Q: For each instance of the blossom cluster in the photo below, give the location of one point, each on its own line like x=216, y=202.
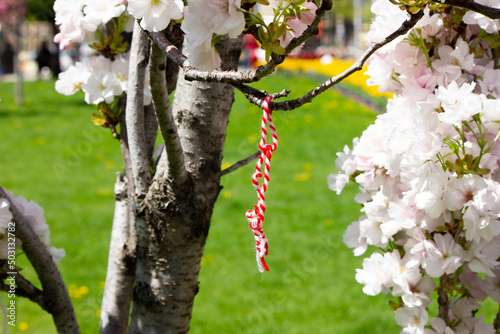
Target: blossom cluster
x=101, y=79
x=203, y=22
x=34, y=214
x=428, y=170
x=77, y=18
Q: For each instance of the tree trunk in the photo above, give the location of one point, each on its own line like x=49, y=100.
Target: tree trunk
x=120, y=276
x=172, y=235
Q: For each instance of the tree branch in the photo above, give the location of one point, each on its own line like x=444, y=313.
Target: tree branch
x=357, y=66
x=235, y=77
x=240, y=164
x=150, y=131
x=134, y=113
x=55, y=295
x=168, y=127
x=24, y=288
x=492, y=13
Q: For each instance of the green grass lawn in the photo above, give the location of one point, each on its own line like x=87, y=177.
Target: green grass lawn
x=56, y=157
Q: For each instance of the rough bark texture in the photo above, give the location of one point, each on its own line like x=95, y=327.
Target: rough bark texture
x=172, y=238
x=120, y=276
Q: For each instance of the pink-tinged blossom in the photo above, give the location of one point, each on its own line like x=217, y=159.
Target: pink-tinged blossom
x=481, y=216
x=419, y=83
x=410, y=285
x=462, y=190
x=376, y=273
x=430, y=25
x=353, y=239
x=491, y=26
x=445, y=258
x=34, y=214
x=217, y=16
x=346, y=166
x=459, y=103
x=381, y=74
x=447, y=219
x=483, y=257
x=493, y=285
x=155, y=15
x=452, y=61
x=388, y=18
x=299, y=24
x=200, y=52
x=73, y=25
x=418, y=245
x=413, y=320
x=464, y=310
x=438, y=327
x=475, y=285
x=57, y=254
x=427, y=189
x=202, y=19
x=490, y=82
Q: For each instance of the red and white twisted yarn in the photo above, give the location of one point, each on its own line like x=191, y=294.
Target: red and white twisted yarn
x=256, y=216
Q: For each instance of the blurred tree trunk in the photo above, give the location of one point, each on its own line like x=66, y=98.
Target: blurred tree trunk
x=18, y=85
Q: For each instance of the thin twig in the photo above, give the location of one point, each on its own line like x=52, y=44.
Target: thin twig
x=25, y=289
x=168, y=127
x=492, y=13
x=240, y=164
x=357, y=66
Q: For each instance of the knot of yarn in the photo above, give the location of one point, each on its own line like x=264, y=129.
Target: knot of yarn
x=255, y=217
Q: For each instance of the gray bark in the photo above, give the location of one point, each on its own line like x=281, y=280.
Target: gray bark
x=177, y=217
x=134, y=114
x=120, y=276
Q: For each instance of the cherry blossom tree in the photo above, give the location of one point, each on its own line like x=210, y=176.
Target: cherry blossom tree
x=428, y=186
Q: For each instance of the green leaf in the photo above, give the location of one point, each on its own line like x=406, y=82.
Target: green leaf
x=414, y=10
x=483, y=171
x=452, y=166
x=280, y=29
x=278, y=49
x=263, y=36
x=495, y=45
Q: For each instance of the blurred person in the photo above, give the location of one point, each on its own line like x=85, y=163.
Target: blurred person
x=44, y=60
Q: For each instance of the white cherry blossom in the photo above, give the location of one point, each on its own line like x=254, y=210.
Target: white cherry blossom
x=155, y=15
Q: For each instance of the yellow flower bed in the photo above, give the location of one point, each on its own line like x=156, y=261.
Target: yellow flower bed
x=336, y=67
